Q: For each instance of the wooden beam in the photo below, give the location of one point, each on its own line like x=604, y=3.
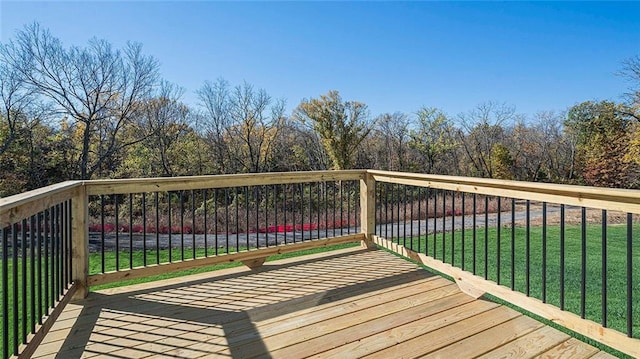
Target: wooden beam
x=368, y=209
x=614, y=199
x=466, y=280
x=254, y=263
x=80, y=241
x=18, y=207
x=225, y=258
x=140, y=185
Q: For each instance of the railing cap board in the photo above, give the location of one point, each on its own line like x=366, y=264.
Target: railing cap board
x=17, y=207
x=139, y=185
x=626, y=200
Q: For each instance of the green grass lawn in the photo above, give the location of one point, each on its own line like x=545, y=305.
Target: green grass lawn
x=616, y=265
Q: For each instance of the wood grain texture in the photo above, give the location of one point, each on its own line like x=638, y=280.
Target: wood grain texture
x=341, y=304
x=593, y=330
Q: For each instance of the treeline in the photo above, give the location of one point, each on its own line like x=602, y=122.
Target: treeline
x=99, y=112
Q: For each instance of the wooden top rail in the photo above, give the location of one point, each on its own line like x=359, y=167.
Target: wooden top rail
x=16, y=208
x=140, y=185
x=614, y=199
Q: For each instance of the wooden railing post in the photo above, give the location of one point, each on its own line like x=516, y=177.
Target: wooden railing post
x=368, y=209
x=80, y=241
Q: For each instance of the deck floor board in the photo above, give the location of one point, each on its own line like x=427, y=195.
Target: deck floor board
x=344, y=304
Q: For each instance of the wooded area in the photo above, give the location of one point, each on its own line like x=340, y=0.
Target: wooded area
x=95, y=111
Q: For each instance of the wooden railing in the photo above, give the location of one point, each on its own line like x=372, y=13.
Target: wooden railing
x=566, y=253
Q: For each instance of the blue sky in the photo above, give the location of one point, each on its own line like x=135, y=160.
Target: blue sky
x=393, y=56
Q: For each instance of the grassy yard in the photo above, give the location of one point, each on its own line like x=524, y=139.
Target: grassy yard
x=616, y=265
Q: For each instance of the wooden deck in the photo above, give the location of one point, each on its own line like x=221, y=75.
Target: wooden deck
x=341, y=304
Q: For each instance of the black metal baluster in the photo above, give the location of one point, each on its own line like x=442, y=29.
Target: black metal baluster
x=302, y=212
x=257, y=206
x=435, y=223
x=205, y=225
x=318, y=207
x=236, y=191
x=513, y=243
x=40, y=281
x=157, y=203
x=245, y=190
x=311, y=210
x=544, y=252
x=604, y=268
x=266, y=215
x=70, y=241
x=275, y=212
x=47, y=218
x=293, y=214
x=170, y=229
x=411, y=219
x=23, y=244
x=475, y=209
x=386, y=211
x=5, y=292
x=393, y=207
x=14, y=261
x=54, y=256
x=334, y=207
x=215, y=220
x=453, y=227
x=486, y=237
x=32, y=237
x=498, y=239
x=182, y=225
x=193, y=224
x=117, y=220
x=284, y=210
x=463, y=244
x=583, y=263
x=419, y=218
x=630, y=275
x=397, y=202
x=444, y=227
x=426, y=222
x=375, y=201
x=66, y=234
x=226, y=220
x=341, y=207
x=130, y=231
x=102, y=269
x=562, y=240
x=326, y=208
x=528, y=247
x=144, y=229
x=404, y=216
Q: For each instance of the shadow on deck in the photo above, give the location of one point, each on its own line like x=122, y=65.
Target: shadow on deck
x=348, y=303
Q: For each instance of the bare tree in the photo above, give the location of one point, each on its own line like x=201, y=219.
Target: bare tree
x=481, y=130
x=215, y=102
x=390, y=137
x=21, y=108
x=242, y=125
x=165, y=119
x=631, y=71
x=96, y=86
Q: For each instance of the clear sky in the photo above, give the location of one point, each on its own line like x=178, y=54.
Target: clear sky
x=393, y=56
